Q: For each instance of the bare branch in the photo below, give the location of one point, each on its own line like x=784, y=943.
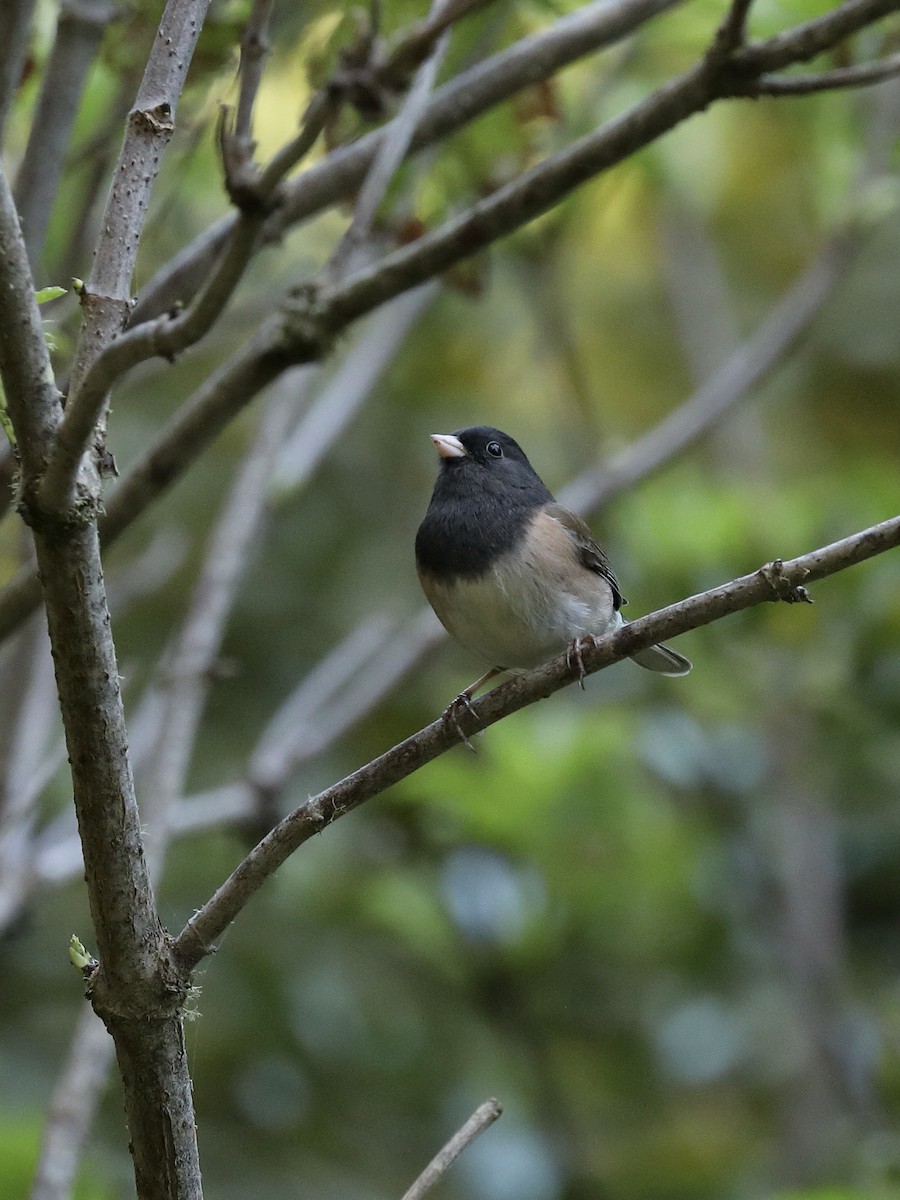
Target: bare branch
x=254, y=48
x=733, y=30
x=7, y=474
x=186, y=668
x=806, y=41
x=391, y=152
x=743, y=370
x=164, y=337
x=31, y=396
x=69, y=1118
x=318, y=112
x=17, y=15
x=350, y=386
x=418, y=43
x=481, y=1119
x=861, y=75
x=79, y=31
x=777, y=580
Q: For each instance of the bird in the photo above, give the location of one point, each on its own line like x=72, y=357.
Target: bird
x=514, y=576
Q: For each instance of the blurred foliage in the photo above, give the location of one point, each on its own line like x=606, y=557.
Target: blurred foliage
x=660, y=920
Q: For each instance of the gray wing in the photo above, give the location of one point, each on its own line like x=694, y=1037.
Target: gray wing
x=589, y=553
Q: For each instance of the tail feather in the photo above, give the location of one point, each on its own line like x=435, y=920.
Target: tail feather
x=663, y=659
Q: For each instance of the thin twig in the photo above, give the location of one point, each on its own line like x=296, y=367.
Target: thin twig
x=742, y=371
x=348, y=389
x=733, y=30
x=32, y=400
x=803, y=42
x=254, y=48
x=68, y=1119
x=17, y=16
x=79, y=31
x=392, y=150
x=481, y=1119
x=187, y=666
x=861, y=75
x=776, y=580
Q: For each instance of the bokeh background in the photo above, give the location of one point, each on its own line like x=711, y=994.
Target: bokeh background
x=659, y=919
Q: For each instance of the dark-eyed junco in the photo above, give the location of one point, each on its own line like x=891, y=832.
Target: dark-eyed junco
x=512, y=575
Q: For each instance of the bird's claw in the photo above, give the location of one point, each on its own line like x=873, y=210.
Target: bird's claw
x=462, y=703
x=574, y=656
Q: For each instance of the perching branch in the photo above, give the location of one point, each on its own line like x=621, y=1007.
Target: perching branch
x=775, y=581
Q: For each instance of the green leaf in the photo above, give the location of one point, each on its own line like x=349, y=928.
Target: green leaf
x=77, y=953
x=49, y=293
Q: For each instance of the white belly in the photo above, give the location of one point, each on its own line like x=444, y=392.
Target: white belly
x=518, y=618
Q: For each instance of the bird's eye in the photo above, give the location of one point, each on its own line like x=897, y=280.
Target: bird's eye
x=495, y=450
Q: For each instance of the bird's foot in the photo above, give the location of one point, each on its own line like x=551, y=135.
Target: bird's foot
x=453, y=712
x=463, y=703
x=574, y=655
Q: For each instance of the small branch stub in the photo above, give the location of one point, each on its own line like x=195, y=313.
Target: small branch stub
x=774, y=575
x=481, y=1119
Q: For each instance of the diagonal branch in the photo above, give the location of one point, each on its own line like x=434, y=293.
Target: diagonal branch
x=743, y=370
x=481, y=1119
x=254, y=48
x=860, y=75
x=777, y=580
x=391, y=152
x=79, y=31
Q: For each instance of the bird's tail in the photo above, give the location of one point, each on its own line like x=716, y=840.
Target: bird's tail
x=662, y=659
